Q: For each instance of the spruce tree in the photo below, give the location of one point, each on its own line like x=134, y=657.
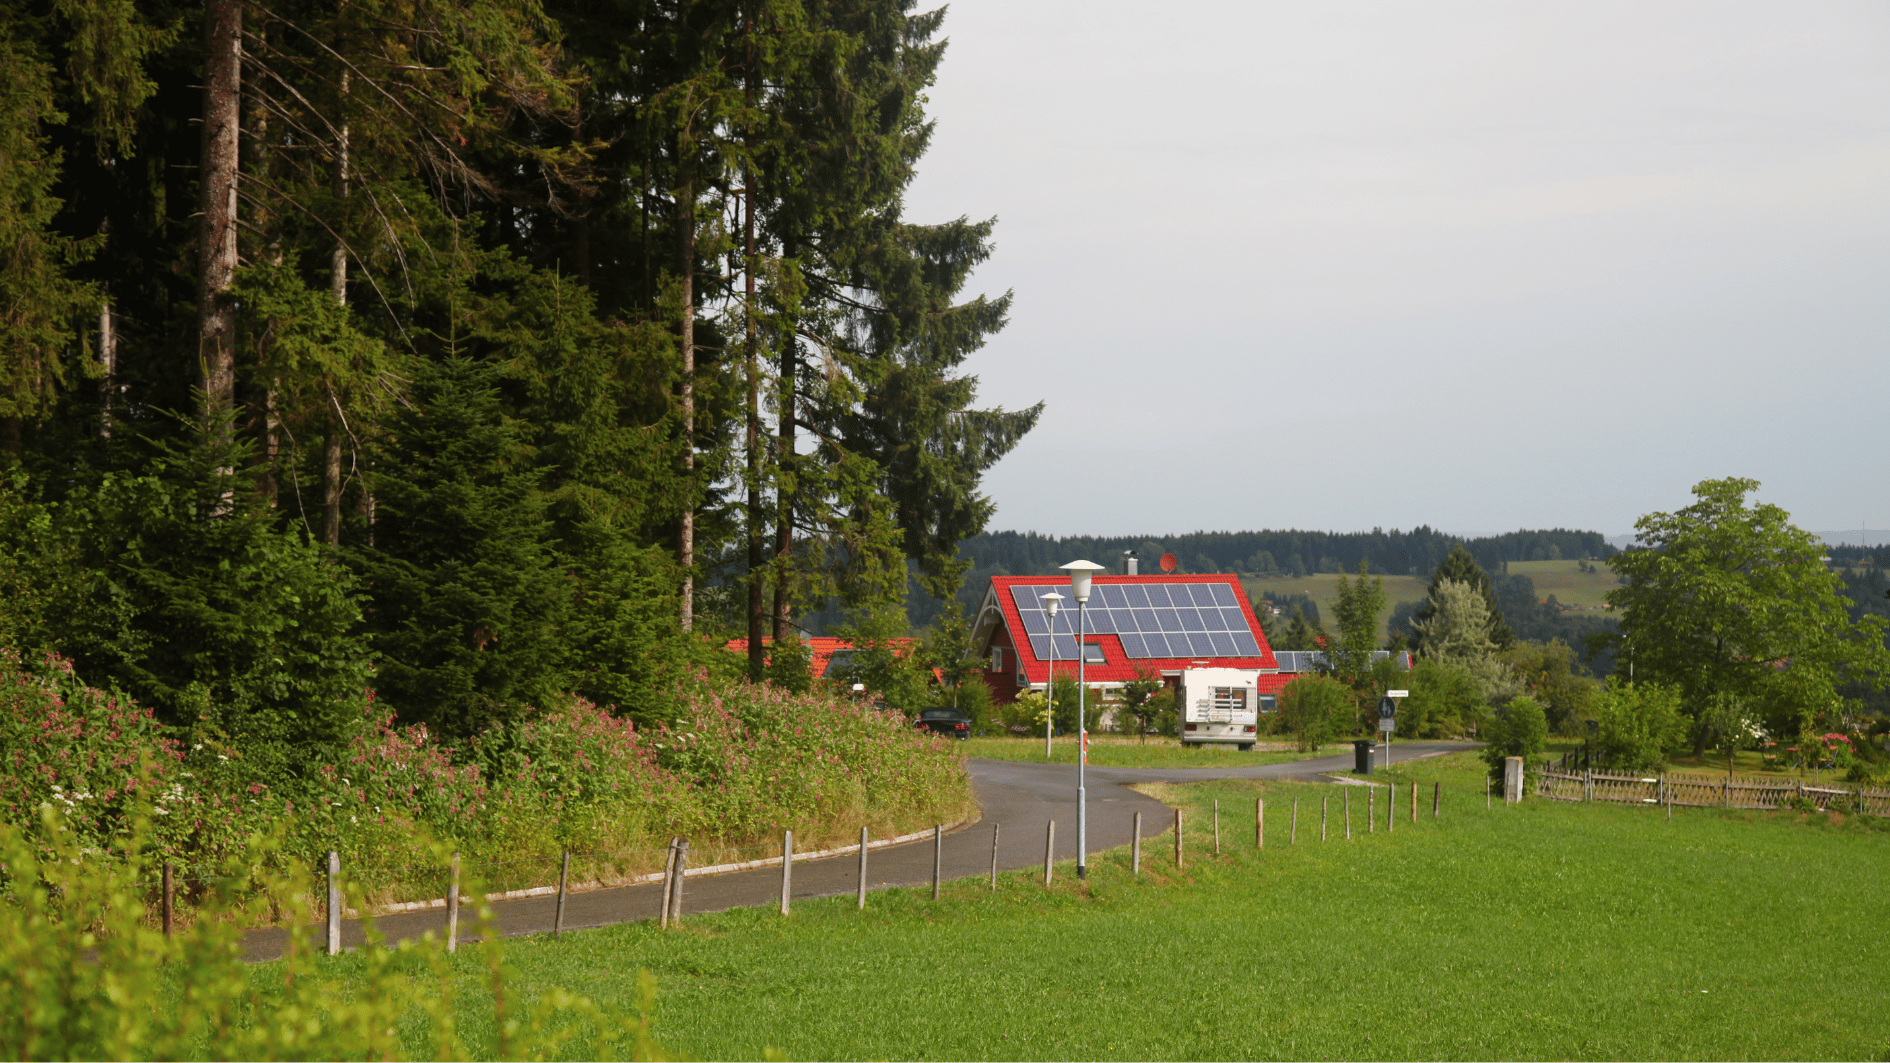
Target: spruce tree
x=1460, y=567
x=468, y=605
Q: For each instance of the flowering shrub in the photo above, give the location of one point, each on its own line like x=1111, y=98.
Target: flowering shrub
x=740, y=764
x=78, y=749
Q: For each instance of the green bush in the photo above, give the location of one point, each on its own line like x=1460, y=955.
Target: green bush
x=1519, y=729
x=1317, y=710
x=1446, y=701
x=973, y=698
x=1639, y=724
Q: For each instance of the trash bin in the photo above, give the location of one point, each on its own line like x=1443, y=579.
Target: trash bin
x=1363, y=750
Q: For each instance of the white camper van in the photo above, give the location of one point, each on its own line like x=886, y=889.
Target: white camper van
x=1221, y=706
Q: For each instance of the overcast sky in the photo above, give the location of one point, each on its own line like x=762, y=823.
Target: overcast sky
x=1481, y=266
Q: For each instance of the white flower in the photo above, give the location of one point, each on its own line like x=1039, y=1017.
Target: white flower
x=222, y=757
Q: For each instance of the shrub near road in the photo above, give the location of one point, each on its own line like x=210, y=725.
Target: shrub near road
x=742, y=763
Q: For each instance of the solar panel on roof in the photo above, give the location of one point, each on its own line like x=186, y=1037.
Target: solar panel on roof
x=1151, y=619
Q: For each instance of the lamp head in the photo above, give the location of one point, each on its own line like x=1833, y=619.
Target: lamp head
x=1051, y=601
x=1080, y=573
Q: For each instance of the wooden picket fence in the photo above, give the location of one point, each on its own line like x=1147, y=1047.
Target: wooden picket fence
x=1705, y=791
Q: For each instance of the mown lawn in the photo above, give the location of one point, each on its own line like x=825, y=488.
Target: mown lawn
x=1541, y=931
x=1114, y=751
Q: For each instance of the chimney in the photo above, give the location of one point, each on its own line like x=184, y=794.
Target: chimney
x=1128, y=562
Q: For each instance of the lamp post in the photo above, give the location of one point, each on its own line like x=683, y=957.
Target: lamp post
x=1051, y=601
x=1080, y=573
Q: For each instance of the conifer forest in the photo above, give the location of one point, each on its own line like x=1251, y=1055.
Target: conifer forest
x=476, y=353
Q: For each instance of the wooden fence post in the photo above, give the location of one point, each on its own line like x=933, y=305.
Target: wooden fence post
x=1217, y=826
x=168, y=895
x=334, y=903
x=787, y=866
x=1414, y=800
x=1177, y=838
x=938, y=851
x=1391, y=807
x=1292, y=831
x=994, y=847
x=1135, y=847
x=1049, y=849
x=1259, y=823
x=564, y=885
x=1437, y=798
x=1323, y=801
x=862, y=898
x=669, y=882
x=452, y=905
x=1486, y=793
x=682, y=874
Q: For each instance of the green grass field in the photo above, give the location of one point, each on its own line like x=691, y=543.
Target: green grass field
x=1115, y=751
x=1560, y=578
x=1536, y=932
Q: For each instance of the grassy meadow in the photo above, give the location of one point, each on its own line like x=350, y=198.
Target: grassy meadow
x=1541, y=931
x=1560, y=578
x=1121, y=751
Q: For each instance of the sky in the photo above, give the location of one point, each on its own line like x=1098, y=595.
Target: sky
x=1481, y=266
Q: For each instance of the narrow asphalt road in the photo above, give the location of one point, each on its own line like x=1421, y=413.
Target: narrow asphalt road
x=1020, y=798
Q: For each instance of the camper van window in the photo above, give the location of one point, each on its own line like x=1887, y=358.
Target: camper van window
x=1233, y=699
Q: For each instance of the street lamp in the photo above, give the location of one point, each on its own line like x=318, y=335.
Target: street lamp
x=1080, y=573
x=1051, y=601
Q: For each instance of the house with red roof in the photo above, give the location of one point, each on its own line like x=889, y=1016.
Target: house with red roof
x=826, y=652
x=1158, y=624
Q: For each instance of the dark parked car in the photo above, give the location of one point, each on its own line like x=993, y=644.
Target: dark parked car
x=944, y=722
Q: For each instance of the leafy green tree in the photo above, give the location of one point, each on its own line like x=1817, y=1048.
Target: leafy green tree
x=1137, y=699
x=1316, y=710
x=1640, y=724
x=1547, y=673
x=1730, y=598
x=1360, y=605
x=1459, y=567
x=1519, y=729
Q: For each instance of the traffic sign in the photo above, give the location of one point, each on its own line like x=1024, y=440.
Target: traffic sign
x=1397, y=693
x=1387, y=725
x=1387, y=708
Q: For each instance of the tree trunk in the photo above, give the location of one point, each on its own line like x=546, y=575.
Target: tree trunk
x=686, y=268
x=216, y=264
x=107, y=364
x=331, y=486
x=784, y=493
x=757, y=554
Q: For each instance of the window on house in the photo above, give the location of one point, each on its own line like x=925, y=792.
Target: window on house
x=1093, y=653
x=997, y=659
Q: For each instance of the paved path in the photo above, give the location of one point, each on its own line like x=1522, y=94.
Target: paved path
x=1020, y=797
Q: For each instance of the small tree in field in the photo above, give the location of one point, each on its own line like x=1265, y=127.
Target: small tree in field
x=1519, y=730
x=1138, y=698
x=1640, y=723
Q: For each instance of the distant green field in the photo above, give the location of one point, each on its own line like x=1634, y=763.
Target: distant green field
x=1324, y=589
x=1543, y=931
x=1560, y=578
x=1570, y=586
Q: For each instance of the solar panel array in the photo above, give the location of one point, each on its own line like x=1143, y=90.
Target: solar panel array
x=1151, y=619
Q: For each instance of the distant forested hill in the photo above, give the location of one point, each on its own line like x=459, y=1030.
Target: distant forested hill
x=1414, y=552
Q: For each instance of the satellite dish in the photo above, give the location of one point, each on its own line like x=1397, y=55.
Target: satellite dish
x=1167, y=562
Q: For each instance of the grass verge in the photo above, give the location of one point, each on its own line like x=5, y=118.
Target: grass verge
x=1545, y=930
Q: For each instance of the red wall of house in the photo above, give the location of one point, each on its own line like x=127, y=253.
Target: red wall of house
x=1003, y=683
